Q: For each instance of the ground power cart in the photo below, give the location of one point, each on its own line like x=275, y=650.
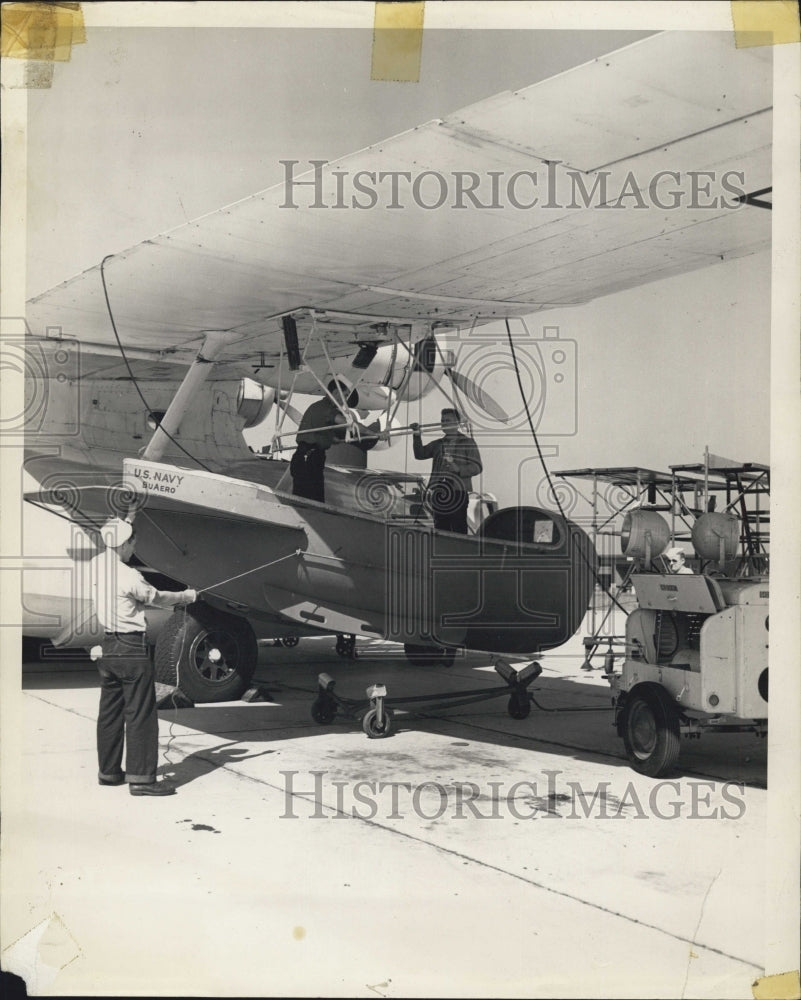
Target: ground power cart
x=696, y=653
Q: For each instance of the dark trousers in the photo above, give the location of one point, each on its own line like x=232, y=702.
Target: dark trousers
x=450, y=513
x=127, y=716
x=307, y=469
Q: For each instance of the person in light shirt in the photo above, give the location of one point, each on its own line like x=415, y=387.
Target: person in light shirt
x=676, y=561
x=127, y=717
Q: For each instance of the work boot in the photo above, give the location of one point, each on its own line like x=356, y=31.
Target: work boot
x=153, y=788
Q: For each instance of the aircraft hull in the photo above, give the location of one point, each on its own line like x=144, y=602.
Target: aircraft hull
x=254, y=551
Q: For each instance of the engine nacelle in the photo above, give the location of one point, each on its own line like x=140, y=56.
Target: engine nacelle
x=254, y=402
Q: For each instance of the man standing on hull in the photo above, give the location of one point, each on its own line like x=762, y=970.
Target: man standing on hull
x=456, y=461
x=323, y=425
x=127, y=717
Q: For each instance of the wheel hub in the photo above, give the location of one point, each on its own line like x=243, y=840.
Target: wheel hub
x=643, y=731
x=215, y=656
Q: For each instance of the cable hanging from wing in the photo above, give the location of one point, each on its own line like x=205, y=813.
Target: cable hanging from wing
x=131, y=375
x=595, y=574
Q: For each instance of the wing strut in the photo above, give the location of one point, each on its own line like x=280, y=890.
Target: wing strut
x=197, y=374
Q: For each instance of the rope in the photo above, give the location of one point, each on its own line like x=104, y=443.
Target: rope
x=255, y=569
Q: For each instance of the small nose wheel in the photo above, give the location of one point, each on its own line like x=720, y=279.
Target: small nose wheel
x=324, y=706
x=519, y=705
x=377, y=721
x=377, y=728
x=323, y=710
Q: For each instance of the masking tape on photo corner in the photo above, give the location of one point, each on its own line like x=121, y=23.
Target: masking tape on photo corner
x=765, y=22
x=397, y=42
x=782, y=986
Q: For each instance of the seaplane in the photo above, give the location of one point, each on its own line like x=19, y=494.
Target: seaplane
x=143, y=371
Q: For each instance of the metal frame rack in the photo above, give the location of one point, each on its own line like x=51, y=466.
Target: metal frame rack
x=744, y=489
x=618, y=489
x=683, y=493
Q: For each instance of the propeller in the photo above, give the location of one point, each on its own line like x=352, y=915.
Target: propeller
x=430, y=355
x=294, y=415
x=477, y=395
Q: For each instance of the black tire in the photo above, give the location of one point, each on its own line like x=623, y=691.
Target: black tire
x=423, y=656
x=650, y=730
x=519, y=705
x=323, y=710
x=209, y=655
x=372, y=727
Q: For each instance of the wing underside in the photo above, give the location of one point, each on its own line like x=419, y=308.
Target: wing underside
x=627, y=133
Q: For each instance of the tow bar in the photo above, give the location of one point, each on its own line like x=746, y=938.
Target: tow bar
x=377, y=708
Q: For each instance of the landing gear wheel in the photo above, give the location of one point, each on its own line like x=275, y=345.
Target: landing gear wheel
x=323, y=710
x=211, y=656
x=650, y=730
x=447, y=656
x=290, y=640
x=374, y=729
x=519, y=705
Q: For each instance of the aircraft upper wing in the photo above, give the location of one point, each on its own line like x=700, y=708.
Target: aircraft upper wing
x=674, y=103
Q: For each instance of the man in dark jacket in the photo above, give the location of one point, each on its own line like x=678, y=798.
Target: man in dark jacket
x=456, y=460
x=322, y=424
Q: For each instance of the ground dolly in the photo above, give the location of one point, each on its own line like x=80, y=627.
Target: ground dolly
x=376, y=711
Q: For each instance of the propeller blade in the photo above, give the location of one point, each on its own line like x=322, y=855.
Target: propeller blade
x=477, y=395
x=294, y=415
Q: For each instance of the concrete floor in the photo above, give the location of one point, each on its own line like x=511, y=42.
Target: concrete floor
x=479, y=856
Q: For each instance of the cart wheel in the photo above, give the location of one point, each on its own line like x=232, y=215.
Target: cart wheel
x=290, y=640
x=372, y=727
x=650, y=729
x=345, y=645
x=323, y=710
x=519, y=706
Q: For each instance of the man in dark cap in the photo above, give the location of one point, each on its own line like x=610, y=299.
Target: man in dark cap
x=456, y=460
